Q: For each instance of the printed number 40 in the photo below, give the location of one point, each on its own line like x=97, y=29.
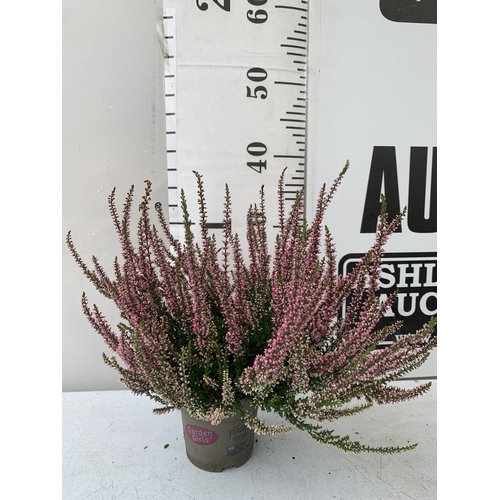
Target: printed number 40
x=257, y=149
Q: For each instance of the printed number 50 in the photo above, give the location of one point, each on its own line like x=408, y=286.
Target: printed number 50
x=257, y=75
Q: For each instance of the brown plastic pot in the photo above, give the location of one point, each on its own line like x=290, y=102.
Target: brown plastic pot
x=216, y=447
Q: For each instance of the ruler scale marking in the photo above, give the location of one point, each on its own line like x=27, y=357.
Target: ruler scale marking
x=270, y=148
x=290, y=7
x=293, y=46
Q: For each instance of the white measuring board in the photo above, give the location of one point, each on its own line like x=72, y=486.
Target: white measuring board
x=236, y=102
x=254, y=86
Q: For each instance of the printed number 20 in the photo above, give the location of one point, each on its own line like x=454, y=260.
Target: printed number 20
x=257, y=17
x=226, y=5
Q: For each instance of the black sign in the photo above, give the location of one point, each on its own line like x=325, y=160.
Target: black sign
x=410, y=11
x=414, y=275
x=383, y=178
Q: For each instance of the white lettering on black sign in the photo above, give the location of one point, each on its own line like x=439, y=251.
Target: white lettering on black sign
x=414, y=275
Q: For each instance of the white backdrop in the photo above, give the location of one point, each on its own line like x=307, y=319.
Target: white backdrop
x=372, y=85
x=113, y=135
x=372, y=100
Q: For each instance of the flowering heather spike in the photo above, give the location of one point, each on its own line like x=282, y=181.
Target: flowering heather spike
x=90, y=275
x=113, y=211
x=171, y=240
x=202, y=209
x=227, y=235
x=203, y=329
x=186, y=218
x=281, y=200
x=259, y=427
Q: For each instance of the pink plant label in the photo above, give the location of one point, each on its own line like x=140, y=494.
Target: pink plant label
x=200, y=435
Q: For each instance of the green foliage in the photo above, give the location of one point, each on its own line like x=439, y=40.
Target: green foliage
x=204, y=328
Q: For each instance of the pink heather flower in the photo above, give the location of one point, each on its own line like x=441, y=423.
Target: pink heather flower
x=204, y=327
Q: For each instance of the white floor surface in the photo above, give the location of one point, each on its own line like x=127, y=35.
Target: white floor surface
x=114, y=448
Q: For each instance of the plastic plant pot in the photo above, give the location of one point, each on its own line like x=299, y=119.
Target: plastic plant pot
x=216, y=447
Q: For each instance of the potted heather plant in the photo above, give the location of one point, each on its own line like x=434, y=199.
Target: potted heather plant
x=219, y=335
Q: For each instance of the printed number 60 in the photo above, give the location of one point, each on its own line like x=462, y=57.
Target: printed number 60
x=260, y=16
